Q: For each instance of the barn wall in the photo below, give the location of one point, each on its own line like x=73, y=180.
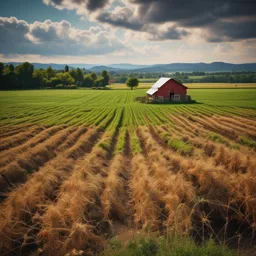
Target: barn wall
x=171, y=86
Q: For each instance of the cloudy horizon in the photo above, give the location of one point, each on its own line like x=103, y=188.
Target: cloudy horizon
x=132, y=31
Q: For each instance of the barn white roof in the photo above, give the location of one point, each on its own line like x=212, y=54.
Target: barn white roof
x=161, y=81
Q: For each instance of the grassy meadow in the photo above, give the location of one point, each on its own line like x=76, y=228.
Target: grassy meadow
x=85, y=171
x=50, y=107
x=144, y=84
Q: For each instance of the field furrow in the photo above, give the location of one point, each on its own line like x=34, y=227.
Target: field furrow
x=29, y=161
x=10, y=155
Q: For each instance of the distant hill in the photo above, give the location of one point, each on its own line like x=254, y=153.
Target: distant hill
x=100, y=68
x=204, y=67
x=128, y=66
x=43, y=65
x=178, y=67
x=55, y=66
x=172, y=67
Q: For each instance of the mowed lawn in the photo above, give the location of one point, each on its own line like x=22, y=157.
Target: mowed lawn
x=87, y=106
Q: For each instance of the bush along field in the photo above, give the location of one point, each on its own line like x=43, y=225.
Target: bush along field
x=86, y=172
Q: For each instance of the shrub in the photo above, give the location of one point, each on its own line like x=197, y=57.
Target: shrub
x=59, y=86
x=72, y=86
x=99, y=82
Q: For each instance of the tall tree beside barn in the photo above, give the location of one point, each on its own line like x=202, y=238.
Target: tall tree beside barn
x=132, y=82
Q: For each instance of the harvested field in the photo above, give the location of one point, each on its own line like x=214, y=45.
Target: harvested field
x=75, y=165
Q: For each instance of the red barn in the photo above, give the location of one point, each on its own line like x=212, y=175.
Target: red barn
x=168, y=89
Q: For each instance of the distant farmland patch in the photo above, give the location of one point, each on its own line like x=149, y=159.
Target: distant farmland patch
x=147, y=85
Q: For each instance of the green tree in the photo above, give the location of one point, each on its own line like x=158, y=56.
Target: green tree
x=9, y=79
x=11, y=67
x=121, y=79
x=132, y=82
x=1, y=68
x=24, y=73
x=6, y=70
x=93, y=76
x=80, y=76
x=66, y=68
x=1, y=75
x=99, y=82
x=62, y=78
x=87, y=81
x=105, y=76
x=66, y=78
x=50, y=73
x=73, y=73
x=40, y=78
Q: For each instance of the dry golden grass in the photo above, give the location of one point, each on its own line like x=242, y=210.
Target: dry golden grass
x=29, y=161
x=237, y=127
x=175, y=194
x=145, y=198
x=215, y=126
x=113, y=197
x=8, y=130
x=65, y=225
x=17, y=139
x=66, y=187
x=7, y=156
x=31, y=198
x=240, y=122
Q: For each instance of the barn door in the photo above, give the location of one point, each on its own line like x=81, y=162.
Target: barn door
x=171, y=95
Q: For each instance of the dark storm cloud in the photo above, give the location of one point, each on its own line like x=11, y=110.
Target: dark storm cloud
x=221, y=19
x=231, y=31
x=123, y=17
x=198, y=12
x=168, y=33
x=90, y=5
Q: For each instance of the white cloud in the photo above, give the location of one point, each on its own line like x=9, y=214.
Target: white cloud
x=56, y=38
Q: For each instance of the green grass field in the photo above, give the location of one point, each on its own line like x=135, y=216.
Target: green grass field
x=88, y=106
x=147, y=85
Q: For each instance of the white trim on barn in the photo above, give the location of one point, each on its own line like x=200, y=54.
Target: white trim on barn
x=152, y=91
x=158, y=84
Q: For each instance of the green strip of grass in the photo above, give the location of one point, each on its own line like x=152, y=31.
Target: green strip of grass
x=181, y=146
x=163, y=246
x=247, y=142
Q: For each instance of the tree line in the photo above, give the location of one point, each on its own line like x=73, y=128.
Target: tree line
x=25, y=76
x=219, y=77
x=194, y=77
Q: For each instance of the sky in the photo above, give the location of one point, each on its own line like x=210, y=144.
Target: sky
x=127, y=31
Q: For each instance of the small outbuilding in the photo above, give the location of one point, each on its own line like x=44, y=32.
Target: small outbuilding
x=167, y=90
